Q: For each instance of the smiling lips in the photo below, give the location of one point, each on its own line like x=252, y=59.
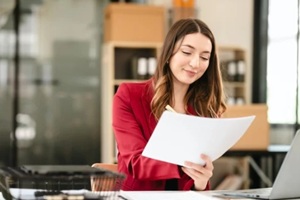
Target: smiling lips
x=190, y=72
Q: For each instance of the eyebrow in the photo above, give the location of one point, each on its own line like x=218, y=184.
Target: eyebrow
x=190, y=46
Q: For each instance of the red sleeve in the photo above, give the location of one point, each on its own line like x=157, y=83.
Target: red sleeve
x=131, y=140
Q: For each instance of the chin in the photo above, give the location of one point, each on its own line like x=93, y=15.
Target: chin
x=188, y=82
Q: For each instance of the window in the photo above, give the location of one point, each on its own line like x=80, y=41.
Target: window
x=282, y=64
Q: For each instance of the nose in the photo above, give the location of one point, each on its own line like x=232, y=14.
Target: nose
x=194, y=62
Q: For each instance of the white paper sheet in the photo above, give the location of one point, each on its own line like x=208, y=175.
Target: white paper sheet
x=179, y=137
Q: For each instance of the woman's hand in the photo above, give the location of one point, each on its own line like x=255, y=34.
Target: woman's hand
x=200, y=174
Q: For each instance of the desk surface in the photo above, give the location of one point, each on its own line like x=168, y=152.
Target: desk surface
x=148, y=195
x=174, y=195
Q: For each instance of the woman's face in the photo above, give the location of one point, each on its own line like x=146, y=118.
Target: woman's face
x=190, y=58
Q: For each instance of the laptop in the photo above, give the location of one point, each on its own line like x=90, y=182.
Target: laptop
x=287, y=181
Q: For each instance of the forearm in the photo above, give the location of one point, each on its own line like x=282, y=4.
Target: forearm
x=148, y=169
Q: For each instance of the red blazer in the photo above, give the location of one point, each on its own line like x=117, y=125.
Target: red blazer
x=133, y=125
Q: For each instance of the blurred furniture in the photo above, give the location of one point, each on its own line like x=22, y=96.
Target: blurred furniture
x=183, y=9
x=230, y=174
x=118, y=65
x=235, y=167
x=236, y=75
x=134, y=23
x=108, y=166
x=107, y=184
x=263, y=159
x=131, y=31
x=263, y=164
x=257, y=136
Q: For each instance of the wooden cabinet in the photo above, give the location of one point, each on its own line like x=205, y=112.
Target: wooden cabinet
x=119, y=65
x=134, y=22
x=257, y=136
x=234, y=71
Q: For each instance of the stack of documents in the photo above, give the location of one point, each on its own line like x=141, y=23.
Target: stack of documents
x=179, y=137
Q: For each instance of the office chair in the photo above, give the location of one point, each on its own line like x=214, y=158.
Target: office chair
x=107, y=166
x=98, y=184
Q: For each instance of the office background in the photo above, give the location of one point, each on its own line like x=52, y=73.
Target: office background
x=58, y=100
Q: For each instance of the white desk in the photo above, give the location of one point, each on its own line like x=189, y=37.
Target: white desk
x=146, y=195
x=174, y=195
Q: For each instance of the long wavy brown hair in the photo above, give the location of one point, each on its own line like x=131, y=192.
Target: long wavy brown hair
x=205, y=95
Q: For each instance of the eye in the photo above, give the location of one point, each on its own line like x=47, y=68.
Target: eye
x=186, y=52
x=204, y=58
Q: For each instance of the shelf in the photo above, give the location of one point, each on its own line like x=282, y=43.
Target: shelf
x=234, y=72
x=117, y=67
x=234, y=84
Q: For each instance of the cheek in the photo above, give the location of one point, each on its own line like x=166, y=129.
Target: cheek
x=204, y=66
x=175, y=64
x=202, y=70
x=179, y=60
x=175, y=69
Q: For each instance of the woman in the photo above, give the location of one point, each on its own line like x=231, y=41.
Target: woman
x=188, y=78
